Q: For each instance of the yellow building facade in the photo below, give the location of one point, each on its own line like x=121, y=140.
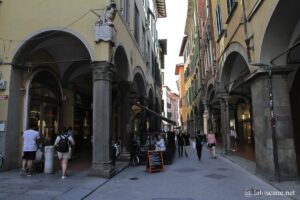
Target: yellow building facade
x=82, y=65
x=179, y=71
x=257, y=79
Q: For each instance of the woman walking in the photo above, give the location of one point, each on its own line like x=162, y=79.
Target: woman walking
x=211, y=141
x=63, y=144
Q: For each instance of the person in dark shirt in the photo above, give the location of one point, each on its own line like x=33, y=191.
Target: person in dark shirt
x=199, y=142
x=180, y=143
x=186, y=139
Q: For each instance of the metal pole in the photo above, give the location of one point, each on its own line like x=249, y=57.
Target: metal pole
x=273, y=124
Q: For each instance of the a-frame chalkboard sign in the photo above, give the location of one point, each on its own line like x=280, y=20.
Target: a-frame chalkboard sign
x=155, y=161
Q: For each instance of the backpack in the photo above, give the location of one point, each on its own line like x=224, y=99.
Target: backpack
x=63, y=144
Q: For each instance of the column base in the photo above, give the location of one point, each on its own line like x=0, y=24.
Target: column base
x=124, y=156
x=105, y=170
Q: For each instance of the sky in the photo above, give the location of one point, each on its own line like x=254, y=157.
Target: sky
x=172, y=29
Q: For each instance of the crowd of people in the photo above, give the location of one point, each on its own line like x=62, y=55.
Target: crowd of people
x=183, y=143
x=159, y=142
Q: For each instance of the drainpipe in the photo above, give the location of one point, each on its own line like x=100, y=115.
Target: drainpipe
x=247, y=39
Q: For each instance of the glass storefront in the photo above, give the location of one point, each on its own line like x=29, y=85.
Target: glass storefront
x=244, y=124
x=45, y=116
x=44, y=106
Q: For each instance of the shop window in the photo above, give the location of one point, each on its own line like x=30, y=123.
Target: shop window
x=125, y=11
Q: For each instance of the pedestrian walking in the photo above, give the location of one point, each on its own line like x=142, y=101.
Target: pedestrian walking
x=233, y=138
x=180, y=143
x=30, y=138
x=63, y=144
x=211, y=141
x=186, y=139
x=199, y=142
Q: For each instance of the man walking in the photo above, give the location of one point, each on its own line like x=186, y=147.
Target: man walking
x=199, y=142
x=30, y=138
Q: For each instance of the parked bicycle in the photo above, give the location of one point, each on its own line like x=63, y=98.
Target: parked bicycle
x=135, y=153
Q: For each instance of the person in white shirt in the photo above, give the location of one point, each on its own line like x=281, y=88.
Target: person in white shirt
x=30, y=138
x=233, y=137
x=160, y=144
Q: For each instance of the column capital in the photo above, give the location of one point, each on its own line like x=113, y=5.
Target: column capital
x=264, y=72
x=103, y=70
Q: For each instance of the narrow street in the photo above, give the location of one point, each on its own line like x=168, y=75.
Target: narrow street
x=186, y=179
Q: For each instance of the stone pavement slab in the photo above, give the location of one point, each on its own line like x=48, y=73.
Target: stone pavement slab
x=49, y=186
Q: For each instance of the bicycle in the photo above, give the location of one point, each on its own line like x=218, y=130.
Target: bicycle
x=134, y=158
x=135, y=155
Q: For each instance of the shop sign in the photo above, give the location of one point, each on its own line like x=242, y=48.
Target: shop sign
x=155, y=161
x=3, y=97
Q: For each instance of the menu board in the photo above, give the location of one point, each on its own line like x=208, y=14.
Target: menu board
x=155, y=161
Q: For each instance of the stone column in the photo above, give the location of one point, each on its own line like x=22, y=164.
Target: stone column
x=223, y=125
x=102, y=77
x=125, y=120
x=280, y=127
x=227, y=125
x=205, y=119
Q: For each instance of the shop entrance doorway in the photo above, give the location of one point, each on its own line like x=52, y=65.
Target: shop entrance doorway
x=44, y=106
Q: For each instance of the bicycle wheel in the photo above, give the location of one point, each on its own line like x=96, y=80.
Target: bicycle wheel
x=135, y=160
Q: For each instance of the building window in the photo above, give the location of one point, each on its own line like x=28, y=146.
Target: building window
x=168, y=105
x=125, y=10
x=136, y=24
x=219, y=20
x=169, y=115
x=230, y=5
x=207, y=8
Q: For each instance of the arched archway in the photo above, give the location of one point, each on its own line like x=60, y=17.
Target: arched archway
x=139, y=94
x=280, y=50
x=121, y=99
x=236, y=100
x=121, y=64
x=281, y=32
x=52, y=69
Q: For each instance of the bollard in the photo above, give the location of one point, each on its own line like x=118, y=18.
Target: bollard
x=49, y=159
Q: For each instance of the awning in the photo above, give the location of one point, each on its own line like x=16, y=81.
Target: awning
x=157, y=114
